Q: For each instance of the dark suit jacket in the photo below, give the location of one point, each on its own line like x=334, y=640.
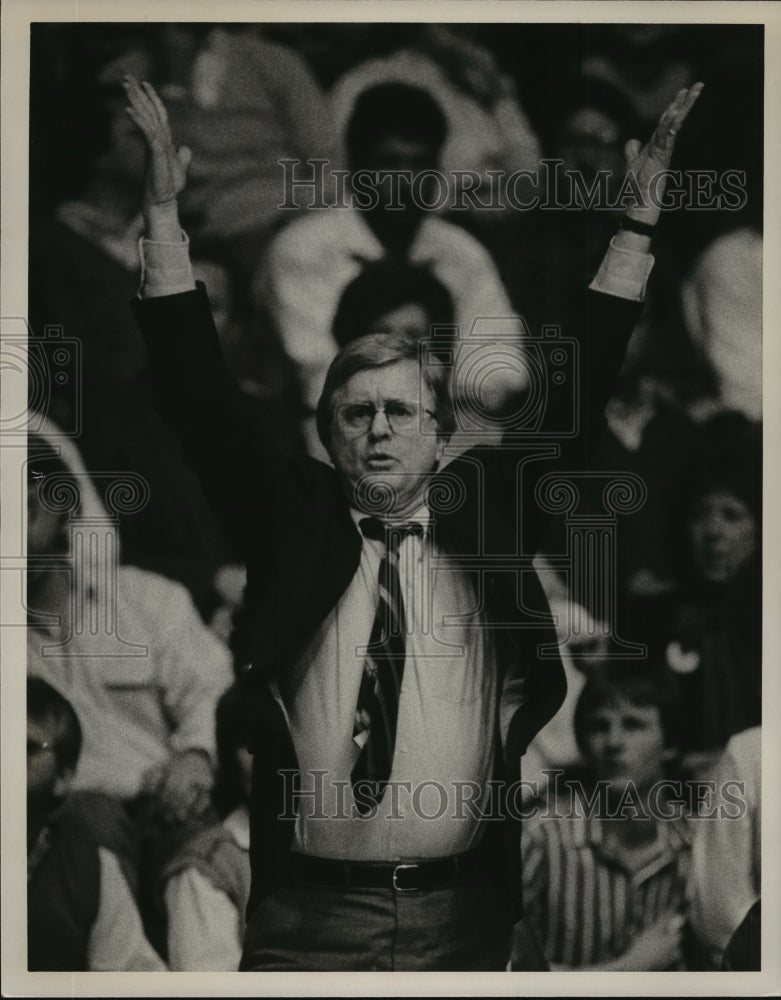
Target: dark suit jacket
x=301, y=547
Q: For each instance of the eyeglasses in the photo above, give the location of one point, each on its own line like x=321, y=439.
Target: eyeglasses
x=355, y=419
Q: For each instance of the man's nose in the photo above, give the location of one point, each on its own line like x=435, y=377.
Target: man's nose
x=380, y=426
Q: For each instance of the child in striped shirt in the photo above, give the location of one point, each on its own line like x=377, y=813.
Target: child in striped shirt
x=605, y=864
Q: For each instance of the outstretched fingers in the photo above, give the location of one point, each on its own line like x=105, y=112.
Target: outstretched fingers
x=687, y=101
x=146, y=110
x=674, y=115
x=166, y=170
x=140, y=105
x=155, y=101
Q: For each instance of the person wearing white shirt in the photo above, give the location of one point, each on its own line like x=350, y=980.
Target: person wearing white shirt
x=394, y=129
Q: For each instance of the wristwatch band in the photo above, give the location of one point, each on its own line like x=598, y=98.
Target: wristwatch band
x=634, y=226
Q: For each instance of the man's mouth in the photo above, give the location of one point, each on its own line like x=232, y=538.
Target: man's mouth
x=379, y=460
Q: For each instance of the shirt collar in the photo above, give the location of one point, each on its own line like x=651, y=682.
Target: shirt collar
x=422, y=515
x=671, y=837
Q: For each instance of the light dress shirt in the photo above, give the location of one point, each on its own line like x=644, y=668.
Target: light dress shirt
x=446, y=713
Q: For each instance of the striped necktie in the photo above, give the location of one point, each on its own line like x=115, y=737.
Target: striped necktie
x=377, y=710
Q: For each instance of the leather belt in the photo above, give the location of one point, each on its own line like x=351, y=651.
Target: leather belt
x=401, y=876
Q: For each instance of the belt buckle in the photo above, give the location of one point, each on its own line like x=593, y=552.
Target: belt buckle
x=401, y=888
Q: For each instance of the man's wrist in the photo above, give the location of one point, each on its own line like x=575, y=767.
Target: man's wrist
x=638, y=226
x=161, y=223
x=641, y=226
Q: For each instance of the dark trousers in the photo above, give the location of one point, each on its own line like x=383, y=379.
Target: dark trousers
x=317, y=929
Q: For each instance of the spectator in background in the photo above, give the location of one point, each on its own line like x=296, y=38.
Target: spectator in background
x=488, y=132
x=81, y=915
x=605, y=891
x=487, y=128
x=726, y=870
x=128, y=650
x=207, y=882
x=242, y=102
x=708, y=627
x=586, y=129
x=393, y=127
x=722, y=306
x=83, y=271
x=392, y=297
x=649, y=63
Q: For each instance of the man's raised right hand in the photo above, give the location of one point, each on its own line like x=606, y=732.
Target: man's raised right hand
x=166, y=167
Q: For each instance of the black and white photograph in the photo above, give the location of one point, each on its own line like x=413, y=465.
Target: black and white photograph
x=384, y=394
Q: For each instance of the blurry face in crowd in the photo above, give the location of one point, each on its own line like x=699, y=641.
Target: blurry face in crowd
x=409, y=319
x=386, y=452
x=722, y=531
x=590, y=142
x=396, y=153
x=625, y=743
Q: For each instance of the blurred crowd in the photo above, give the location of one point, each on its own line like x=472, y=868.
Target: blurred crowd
x=138, y=774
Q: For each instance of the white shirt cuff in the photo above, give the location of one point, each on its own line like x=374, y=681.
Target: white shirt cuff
x=623, y=273
x=165, y=268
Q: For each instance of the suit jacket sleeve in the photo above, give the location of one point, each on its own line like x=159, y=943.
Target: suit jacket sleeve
x=569, y=419
x=512, y=473
x=245, y=479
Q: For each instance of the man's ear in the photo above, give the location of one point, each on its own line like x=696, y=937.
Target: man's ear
x=62, y=785
x=441, y=445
